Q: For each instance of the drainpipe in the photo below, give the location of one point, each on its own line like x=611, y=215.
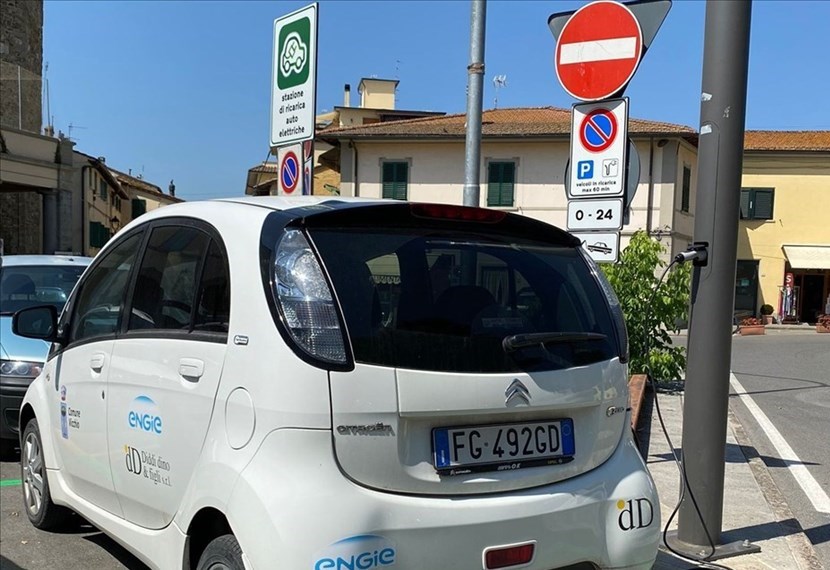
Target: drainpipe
x=356, y=172
x=650, y=185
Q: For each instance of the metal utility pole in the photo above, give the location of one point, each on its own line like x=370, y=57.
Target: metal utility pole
x=720, y=159
x=475, y=92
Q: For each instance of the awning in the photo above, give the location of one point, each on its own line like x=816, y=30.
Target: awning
x=808, y=256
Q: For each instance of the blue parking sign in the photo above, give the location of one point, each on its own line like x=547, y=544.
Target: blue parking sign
x=585, y=169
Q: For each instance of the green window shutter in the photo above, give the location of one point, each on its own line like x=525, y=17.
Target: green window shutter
x=762, y=206
x=103, y=188
x=745, y=203
x=501, y=177
x=98, y=234
x=139, y=207
x=394, y=180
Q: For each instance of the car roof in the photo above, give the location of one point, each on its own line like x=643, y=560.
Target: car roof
x=28, y=260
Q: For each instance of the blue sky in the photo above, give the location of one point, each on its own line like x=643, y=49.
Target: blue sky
x=180, y=90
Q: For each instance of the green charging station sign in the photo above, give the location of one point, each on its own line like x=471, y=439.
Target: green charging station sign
x=294, y=77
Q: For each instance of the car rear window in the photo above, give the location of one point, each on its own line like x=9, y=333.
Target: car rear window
x=443, y=300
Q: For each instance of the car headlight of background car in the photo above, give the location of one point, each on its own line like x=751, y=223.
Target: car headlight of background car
x=20, y=368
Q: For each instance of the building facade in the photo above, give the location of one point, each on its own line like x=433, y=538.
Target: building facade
x=784, y=231
x=524, y=153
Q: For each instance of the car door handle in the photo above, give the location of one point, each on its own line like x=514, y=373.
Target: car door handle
x=97, y=361
x=191, y=368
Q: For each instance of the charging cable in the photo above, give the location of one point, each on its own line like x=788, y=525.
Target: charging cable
x=698, y=254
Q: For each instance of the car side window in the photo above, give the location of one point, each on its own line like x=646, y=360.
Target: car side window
x=166, y=283
x=214, y=307
x=98, y=308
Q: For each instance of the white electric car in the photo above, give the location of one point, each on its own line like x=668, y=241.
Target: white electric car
x=318, y=384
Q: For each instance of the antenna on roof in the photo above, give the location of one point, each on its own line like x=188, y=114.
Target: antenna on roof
x=69, y=131
x=499, y=81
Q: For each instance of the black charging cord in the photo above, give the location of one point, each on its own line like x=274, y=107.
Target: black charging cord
x=697, y=254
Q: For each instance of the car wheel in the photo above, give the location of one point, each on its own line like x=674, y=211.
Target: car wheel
x=42, y=512
x=223, y=553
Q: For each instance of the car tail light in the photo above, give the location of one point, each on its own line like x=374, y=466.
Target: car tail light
x=459, y=213
x=305, y=301
x=508, y=556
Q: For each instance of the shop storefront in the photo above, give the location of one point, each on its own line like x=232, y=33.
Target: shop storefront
x=805, y=290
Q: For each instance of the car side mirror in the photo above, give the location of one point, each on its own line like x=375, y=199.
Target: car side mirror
x=37, y=322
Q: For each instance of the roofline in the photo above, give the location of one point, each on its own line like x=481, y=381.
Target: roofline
x=687, y=135
x=811, y=151
x=362, y=79
x=395, y=111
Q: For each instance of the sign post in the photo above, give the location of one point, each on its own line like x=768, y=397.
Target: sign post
x=294, y=92
x=598, y=50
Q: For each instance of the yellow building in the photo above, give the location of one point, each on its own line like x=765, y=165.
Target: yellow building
x=784, y=232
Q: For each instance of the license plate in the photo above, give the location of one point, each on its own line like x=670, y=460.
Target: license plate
x=502, y=447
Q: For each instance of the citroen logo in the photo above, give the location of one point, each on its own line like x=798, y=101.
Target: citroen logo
x=516, y=390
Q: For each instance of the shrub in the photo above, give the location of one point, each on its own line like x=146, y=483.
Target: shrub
x=767, y=309
x=824, y=320
x=633, y=279
x=751, y=321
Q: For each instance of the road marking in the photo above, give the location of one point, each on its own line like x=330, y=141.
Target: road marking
x=10, y=482
x=811, y=488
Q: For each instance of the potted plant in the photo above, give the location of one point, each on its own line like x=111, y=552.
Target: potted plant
x=766, y=313
x=823, y=324
x=750, y=326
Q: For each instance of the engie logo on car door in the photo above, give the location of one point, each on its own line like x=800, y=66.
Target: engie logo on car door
x=144, y=415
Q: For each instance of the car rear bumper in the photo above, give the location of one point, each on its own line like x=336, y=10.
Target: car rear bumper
x=11, y=397
x=293, y=508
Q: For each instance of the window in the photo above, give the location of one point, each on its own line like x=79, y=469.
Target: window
x=139, y=207
x=103, y=190
x=99, y=235
x=756, y=203
x=214, y=307
x=98, y=309
x=686, y=190
x=395, y=179
x=501, y=177
x=442, y=299
x=167, y=279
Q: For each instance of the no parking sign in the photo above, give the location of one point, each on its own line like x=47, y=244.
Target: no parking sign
x=598, y=149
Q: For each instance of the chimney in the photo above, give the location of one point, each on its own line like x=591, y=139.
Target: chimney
x=172, y=189
x=347, y=92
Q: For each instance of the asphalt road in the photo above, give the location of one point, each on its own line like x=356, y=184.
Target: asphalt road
x=786, y=375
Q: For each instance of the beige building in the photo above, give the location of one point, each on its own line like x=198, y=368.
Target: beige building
x=106, y=199
x=377, y=105
x=784, y=232
x=524, y=156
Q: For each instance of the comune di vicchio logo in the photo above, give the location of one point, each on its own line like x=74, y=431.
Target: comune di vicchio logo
x=144, y=415
x=362, y=552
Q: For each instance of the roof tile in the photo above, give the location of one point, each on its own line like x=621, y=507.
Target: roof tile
x=787, y=141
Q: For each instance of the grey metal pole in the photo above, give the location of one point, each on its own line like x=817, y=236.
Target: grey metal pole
x=720, y=159
x=475, y=93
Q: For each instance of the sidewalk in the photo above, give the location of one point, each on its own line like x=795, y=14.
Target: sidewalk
x=753, y=508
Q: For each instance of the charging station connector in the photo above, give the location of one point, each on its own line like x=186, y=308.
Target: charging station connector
x=698, y=254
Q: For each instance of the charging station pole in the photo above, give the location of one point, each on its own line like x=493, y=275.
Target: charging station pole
x=720, y=160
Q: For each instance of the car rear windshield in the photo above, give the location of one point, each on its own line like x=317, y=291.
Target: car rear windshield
x=27, y=286
x=446, y=300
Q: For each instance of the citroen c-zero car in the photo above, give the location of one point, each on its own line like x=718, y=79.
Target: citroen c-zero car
x=26, y=281
x=320, y=384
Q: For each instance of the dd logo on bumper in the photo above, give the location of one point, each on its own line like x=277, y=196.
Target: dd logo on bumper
x=636, y=513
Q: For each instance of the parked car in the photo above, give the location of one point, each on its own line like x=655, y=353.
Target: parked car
x=26, y=281
x=340, y=383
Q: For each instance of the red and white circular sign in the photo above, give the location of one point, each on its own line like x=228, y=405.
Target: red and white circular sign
x=598, y=50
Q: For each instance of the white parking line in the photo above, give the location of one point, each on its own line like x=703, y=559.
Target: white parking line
x=811, y=488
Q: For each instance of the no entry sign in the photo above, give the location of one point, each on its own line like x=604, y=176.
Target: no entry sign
x=598, y=50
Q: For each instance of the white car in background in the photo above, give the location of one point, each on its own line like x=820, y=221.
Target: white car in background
x=311, y=383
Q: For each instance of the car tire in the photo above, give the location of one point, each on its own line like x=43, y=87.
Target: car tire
x=223, y=553
x=37, y=500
